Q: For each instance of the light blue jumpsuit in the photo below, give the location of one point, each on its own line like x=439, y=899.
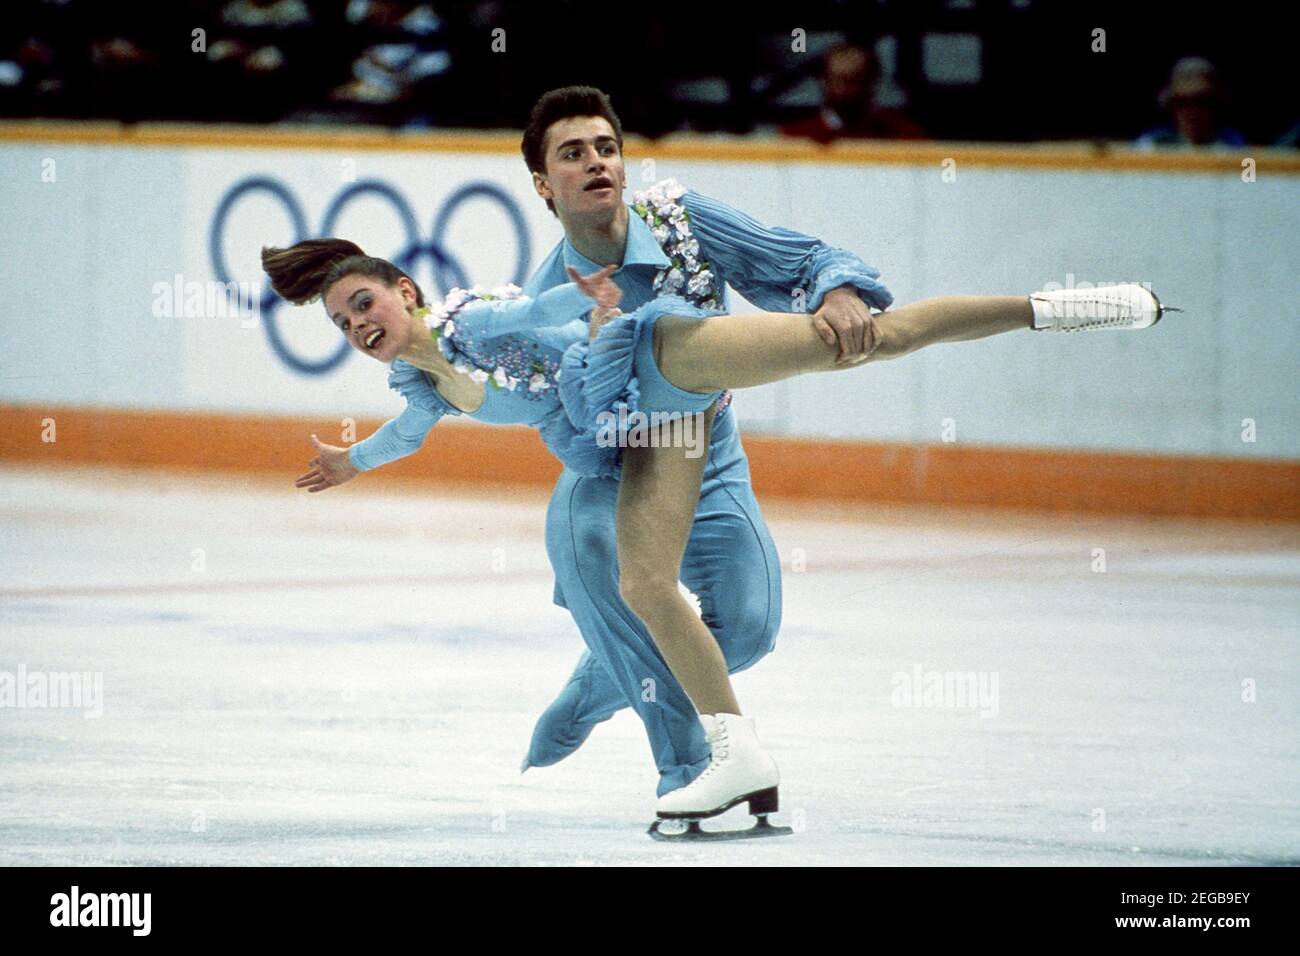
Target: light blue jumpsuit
x=730, y=561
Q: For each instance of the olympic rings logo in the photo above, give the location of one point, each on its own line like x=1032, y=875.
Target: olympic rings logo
x=447, y=270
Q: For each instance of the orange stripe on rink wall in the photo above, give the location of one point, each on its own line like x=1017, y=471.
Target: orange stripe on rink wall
x=1037, y=479
x=1033, y=479
x=267, y=446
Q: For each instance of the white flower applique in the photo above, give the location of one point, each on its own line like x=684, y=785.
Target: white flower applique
x=443, y=328
x=669, y=223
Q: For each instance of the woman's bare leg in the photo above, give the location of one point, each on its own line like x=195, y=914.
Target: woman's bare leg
x=657, y=496
x=660, y=486
x=739, y=351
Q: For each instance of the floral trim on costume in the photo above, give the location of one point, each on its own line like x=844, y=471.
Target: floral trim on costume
x=511, y=359
x=686, y=274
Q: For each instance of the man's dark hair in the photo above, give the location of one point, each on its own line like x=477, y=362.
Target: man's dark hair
x=561, y=104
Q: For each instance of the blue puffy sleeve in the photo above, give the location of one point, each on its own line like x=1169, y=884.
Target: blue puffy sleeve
x=403, y=435
x=487, y=319
x=766, y=264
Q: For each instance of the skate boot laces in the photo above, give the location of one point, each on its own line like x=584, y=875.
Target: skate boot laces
x=720, y=741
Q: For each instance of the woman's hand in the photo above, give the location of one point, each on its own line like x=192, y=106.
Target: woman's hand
x=599, y=316
x=330, y=467
x=601, y=287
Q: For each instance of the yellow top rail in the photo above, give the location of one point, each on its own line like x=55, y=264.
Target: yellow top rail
x=1090, y=156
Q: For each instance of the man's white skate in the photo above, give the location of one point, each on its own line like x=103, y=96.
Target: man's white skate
x=1127, y=306
x=739, y=771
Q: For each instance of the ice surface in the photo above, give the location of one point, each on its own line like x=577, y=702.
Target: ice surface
x=352, y=678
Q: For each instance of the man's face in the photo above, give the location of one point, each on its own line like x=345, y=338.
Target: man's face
x=1194, y=115
x=584, y=168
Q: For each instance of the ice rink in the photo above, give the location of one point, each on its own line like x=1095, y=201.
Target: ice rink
x=353, y=677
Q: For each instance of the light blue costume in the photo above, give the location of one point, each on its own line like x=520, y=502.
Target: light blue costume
x=730, y=561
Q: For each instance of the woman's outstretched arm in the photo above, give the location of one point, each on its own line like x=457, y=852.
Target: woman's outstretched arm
x=489, y=318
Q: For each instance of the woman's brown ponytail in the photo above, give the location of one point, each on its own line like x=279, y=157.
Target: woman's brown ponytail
x=298, y=273
x=303, y=272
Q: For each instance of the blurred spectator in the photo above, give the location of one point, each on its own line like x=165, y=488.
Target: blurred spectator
x=850, y=75
x=406, y=54
x=124, y=70
x=266, y=13
x=256, y=58
x=30, y=74
x=443, y=63
x=88, y=59
x=1195, y=100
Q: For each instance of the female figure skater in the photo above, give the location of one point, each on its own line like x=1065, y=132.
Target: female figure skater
x=502, y=358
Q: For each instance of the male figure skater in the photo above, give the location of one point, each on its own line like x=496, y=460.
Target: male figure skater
x=573, y=145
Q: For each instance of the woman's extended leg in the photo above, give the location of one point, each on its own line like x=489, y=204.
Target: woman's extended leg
x=659, y=490
x=660, y=486
x=740, y=351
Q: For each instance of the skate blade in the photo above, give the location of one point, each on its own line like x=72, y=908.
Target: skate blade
x=1161, y=308
x=690, y=831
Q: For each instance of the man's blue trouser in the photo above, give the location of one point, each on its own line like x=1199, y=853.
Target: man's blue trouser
x=730, y=564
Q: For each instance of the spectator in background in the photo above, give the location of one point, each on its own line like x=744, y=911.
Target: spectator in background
x=124, y=60
x=252, y=53
x=1195, y=101
x=31, y=81
x=256, y=25
x=850, y=75
x=278, y=14
x=407, y=53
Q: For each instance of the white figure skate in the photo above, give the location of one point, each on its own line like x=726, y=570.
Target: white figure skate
x=1127, y=306
x=738, y=771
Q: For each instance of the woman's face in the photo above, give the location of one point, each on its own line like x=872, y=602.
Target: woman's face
x=374, y=317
